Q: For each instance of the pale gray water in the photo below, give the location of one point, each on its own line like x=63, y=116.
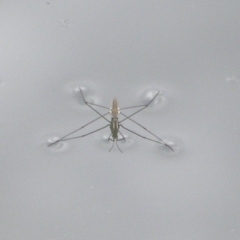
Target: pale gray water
x=189, y=50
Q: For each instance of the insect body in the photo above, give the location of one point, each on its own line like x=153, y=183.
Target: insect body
x=114, y=124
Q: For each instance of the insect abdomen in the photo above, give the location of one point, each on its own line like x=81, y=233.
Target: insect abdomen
x=114, y=126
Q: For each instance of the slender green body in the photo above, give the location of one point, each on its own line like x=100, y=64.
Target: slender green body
x=114, y=126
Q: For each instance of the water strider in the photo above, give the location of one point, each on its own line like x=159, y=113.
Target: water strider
x=114, y=124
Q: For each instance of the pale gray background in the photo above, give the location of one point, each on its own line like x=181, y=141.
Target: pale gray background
x=78, y=190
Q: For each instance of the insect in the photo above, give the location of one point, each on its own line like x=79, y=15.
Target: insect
x=114, y=124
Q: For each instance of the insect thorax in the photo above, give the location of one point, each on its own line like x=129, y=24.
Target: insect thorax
x=114, y=111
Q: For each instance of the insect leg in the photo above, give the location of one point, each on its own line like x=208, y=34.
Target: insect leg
x=98, y=105
x=77, y=129
x=118, y=147
x=112, y=146
x=148, y=138
x=109, y=138
x=87, y=103
x=143, y=128
x=65, y=139
x=122, y=136
x=144, y=106
x=133, y=107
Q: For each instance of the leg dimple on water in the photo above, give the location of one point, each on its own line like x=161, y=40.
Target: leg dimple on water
x=149, y=94
x=89, y=95
x=175, y=143
x=126, y=142
x=74, y=90
x=60, y=146
x=105, y=140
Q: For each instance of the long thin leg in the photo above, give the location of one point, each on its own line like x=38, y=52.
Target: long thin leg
x=116, y=144
x=143, y=127
x=77, y=129
x=145, y=106
x=109, y=136
x=147, y=138
x=122, y=135
x=121, y=139
x=92, y=107
x=98, y=105
x=83, y=135
x=121, y=107
x=133, y=107
x=112, y=146
x=118, y=147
